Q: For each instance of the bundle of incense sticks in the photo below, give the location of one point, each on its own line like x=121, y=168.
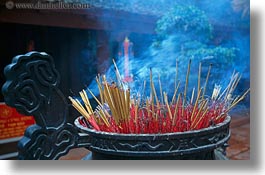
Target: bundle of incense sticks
x=117, y=112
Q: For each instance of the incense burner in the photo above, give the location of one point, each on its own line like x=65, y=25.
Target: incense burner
x=32, y=87
x=208, y=143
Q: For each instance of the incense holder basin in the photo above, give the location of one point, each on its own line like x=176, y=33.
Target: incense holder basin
x=207, y=143
x=32, y=87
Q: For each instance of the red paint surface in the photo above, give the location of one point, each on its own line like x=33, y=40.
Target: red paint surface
x=12, y=123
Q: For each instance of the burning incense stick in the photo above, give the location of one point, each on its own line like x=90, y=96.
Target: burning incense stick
x=206, y=82
x=186, y=86
x=160, y=90
x=175, y=93
x=118, y=112
x=199, y=77
x=187, y=81
x=176, y=109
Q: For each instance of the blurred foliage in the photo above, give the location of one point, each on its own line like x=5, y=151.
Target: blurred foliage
x=192, y=34
x=220, y=54
x=185, y=19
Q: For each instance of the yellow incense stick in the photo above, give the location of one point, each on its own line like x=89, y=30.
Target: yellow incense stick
x=176, y=109
x=168, y=108
x=186, y=87
x=206, y=82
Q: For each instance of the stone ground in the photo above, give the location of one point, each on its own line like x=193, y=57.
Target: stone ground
x=239, y=143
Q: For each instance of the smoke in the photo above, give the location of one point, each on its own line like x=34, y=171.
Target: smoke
x=162, y=60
